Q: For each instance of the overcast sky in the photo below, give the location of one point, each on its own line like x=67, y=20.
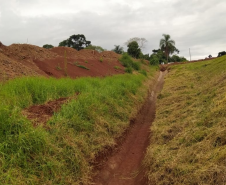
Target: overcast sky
x=196, y=24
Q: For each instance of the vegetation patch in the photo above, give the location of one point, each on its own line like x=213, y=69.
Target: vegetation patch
x=129, y=63
x=188, y=135
x=76, y=134
x=117, y=67
x=81, y=66
x=58, y=68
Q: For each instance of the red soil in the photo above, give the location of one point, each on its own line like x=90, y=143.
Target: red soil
x=124, y=165
x=40, y=114
x=28, y=60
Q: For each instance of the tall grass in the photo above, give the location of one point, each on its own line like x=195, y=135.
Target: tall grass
x=129, y=63
x=62, y=154
x=188, y=144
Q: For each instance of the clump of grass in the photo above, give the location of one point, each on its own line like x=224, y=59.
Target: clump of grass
x=117, y=67
x=84, y=67
x=58, y=68
x=101, y=59
x=142, y=71
x=128, y=62
x=188, y=135
x=82, y=128
x=128, y=70
x=86, y=61
x=81, y=66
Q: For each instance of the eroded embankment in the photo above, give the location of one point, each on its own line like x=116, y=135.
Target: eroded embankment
x=188, y=141
x=124, y=166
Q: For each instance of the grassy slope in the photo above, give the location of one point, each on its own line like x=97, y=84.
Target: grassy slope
x=83, y=127
x=188, y=144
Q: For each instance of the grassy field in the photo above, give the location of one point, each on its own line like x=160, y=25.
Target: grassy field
x=188, y=143
x=62, y=153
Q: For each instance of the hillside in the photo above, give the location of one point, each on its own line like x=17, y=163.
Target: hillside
x=19, y=60
x=189, y=133
x=54, y=130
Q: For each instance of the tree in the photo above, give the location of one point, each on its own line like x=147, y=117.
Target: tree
x=77, y=42
x=133, y=49
x=167, y=45
x=221, y=53
x=47, y=46
x=118, y=49
x=155, y=50
x=157, y=57
x=141, y=42
x=96, y=48
x=176, y=58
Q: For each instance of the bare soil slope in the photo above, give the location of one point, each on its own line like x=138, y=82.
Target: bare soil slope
x=28, y=60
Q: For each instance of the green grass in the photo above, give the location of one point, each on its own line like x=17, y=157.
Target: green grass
x=188, y=143
x=117, y=67
x=81, y=66
x=129, y=63
x=84, y=126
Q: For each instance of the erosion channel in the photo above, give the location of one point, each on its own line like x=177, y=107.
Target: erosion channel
x=124, y=166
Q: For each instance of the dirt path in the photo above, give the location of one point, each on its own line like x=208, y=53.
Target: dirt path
x=124, y=166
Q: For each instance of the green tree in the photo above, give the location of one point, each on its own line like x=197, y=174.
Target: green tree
x=221, y=53
x=133, y=49
x=141, y=42
x=77, y=42
x=167, y=45
x=118, y=49
x=176, y=58
x=97, y=48
x=47, y=46
x=157, y=57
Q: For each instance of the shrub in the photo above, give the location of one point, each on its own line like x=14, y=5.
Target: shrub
x=136, y=65
x=143, y=72
x=117, y=67
x=128, y=70
x=128, y=62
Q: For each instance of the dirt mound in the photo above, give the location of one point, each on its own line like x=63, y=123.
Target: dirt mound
x=163, y=67
x=70, y=52
x=59, y=61
x=2, y=46
x=74, y=67
x=110, y=54
x=25, y=54
x=27, y=51
x=89, y=54
x=9, y=69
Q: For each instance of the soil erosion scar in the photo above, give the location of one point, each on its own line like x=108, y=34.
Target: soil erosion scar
x=124, y=167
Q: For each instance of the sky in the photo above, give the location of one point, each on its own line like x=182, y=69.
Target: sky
x=195, y=24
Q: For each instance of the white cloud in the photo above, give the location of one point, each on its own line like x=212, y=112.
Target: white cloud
x=192, y=24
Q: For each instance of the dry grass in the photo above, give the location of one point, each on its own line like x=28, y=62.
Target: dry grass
x=188, y=143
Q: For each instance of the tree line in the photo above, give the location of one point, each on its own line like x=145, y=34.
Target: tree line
x=134, y=48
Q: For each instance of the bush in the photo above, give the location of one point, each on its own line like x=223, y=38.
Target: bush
x=136, y=65
x=143, y=72
x=128, y=62
x=154, y=60
x=128, y=70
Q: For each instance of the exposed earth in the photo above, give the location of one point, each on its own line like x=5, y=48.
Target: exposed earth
x=124, y=165
x=28, y=60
